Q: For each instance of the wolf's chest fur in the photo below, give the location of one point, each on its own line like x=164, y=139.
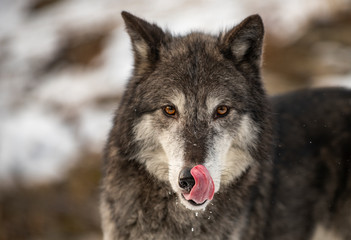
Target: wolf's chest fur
x=195, y=120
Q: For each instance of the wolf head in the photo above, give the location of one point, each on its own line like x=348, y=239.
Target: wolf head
x=193, y=112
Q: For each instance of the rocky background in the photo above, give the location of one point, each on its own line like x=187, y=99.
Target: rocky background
x=63, y=66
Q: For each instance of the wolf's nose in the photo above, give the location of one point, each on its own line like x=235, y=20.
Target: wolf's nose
x=186, y=180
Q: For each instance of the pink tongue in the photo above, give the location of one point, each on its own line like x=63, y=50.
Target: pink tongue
x=204, y=186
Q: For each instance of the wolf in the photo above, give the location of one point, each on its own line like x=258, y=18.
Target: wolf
x=198, y=150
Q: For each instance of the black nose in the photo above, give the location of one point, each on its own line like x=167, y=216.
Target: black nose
x=186, y=180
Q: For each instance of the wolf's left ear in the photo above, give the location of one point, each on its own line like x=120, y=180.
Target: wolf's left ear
x=243, y=43
x=146, y=41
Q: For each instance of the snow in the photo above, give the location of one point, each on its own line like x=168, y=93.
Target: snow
x=37, y=145
x=334, y=81
x=37, y=142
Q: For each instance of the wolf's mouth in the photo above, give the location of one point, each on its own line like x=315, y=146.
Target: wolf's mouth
x=193, y=202
x=197, y=185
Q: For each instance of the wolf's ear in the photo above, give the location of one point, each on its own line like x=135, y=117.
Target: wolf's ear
x=146, y=41
x=243, y=43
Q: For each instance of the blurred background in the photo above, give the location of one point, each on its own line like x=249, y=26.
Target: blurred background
x=64, y=65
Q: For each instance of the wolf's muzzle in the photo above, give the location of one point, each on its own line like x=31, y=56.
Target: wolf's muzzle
x=197, y=184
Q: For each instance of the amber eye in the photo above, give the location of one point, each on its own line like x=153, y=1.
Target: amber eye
x=222, y=111
x=169, y=110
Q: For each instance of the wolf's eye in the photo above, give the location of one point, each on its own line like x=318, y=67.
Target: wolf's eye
x=221, y=111
x=169, y=110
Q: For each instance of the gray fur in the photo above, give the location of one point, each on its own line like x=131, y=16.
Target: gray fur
x=271, y=182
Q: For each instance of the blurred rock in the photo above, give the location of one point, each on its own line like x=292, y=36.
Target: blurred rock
x=80, y=49
x=37, y=5
x=324, y=49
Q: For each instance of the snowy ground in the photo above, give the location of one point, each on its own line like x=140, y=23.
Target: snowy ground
x=47, y=118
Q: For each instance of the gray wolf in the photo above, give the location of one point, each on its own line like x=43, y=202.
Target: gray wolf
x=199, y=151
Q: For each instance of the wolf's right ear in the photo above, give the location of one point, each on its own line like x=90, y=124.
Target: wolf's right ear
x=146, y=41
x=243, y=43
